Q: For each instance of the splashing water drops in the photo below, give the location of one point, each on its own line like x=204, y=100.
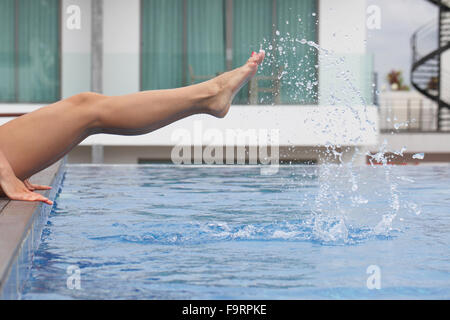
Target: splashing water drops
x=418, y=156
x=331, y=207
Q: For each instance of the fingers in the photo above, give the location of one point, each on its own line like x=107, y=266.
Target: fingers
x=33, y=187
x=16, y=189
x=40, y=187
x=28, y=185
x=39, y=197
x=31, y=196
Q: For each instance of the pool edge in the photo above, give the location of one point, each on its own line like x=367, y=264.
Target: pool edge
x=21, y=225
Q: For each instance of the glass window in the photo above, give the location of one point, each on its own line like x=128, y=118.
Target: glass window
x=162, y=44
x=252, y=23
x=29, y=51
x=297, y=20
x=205, y=39
x=184, y=42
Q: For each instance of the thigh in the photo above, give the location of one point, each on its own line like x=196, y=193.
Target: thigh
x=36, y=140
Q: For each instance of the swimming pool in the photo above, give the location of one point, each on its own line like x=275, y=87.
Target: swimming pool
x=228, y=232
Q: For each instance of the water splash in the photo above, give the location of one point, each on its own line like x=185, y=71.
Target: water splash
x=331, y=218
x=419, y=156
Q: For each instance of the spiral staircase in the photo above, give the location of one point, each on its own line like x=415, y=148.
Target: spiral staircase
x=429, y=74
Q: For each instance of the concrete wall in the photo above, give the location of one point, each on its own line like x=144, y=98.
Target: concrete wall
x=76, y=50
x=121, y=61
x=342, y=26
x=21, y=225
x=302, y=126
x=401, y=147
x=342, y=33
x=427, y=142
x=158, y=154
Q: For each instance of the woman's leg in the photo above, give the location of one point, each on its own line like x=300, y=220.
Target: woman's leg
x=38, y=139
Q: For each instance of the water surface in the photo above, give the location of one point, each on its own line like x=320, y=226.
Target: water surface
x=309, y=232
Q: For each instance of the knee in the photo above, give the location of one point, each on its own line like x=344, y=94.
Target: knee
x=90, y=104
x=87, y=98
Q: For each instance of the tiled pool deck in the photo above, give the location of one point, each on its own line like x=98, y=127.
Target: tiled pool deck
x=21, y=225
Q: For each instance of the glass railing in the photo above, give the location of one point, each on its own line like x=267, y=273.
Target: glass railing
x=346, y=79
x=331, y=80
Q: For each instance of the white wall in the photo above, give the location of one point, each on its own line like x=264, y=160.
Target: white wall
x=121, y=32
x=76, y=50
x=342, y=25
x=298, y=126
x=301, y=126
x=342, y=32
x=428, y=142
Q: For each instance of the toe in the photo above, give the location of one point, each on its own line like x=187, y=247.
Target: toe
x=253, y=58
x=257, y=57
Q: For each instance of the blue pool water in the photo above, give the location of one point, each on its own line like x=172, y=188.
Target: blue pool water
x=169, y=232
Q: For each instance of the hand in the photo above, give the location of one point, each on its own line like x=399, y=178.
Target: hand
x=18, y=190
x=33, y=187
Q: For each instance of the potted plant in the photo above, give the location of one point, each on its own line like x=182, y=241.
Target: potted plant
x=395, y=80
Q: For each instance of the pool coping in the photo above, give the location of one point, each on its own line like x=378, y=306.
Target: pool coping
x=21, y=225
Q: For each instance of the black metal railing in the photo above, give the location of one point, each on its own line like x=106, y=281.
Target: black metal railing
x=428, y=76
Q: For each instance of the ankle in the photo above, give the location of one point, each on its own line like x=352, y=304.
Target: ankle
x=208, y=92
x=214, y=87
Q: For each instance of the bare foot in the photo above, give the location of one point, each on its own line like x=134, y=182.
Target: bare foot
x=229, y=83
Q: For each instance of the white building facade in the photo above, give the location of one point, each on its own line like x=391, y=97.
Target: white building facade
x=324, y=89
